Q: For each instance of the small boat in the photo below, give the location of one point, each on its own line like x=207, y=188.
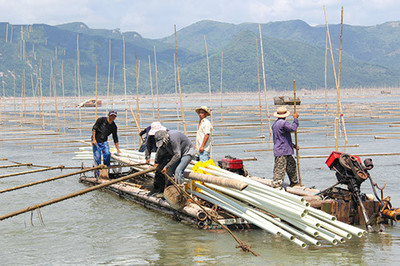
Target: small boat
x=285, y=100
x=90, y=103
x=386, y=92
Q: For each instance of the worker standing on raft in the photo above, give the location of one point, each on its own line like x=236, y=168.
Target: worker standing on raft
x=283, y=147
x=203, y=135
x=104, y=127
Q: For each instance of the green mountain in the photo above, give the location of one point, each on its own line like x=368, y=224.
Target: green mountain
x=43, y=56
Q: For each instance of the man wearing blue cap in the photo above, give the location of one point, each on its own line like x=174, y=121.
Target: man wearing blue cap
x=104, y=127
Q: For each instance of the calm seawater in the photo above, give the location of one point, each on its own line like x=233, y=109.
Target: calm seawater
x=100, y=228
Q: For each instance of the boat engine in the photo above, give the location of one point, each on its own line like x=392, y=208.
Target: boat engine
x=349, y=170
x=233, y=164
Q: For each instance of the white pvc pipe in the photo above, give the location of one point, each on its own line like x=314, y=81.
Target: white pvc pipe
x=254, y=183
x=249, y=214
x=257, y=201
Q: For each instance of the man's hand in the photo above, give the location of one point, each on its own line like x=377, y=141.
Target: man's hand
x=296, y=115
x=164, y=170
x=148, y=161
x=201, y=149
x=296, y=147
x=94, y=142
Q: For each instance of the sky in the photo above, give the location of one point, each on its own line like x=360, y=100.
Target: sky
x=156, y=18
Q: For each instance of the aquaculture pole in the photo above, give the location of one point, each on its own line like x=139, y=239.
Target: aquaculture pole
x=71, y=195
x=179, y=82
x=265, y=83
x=295, y=134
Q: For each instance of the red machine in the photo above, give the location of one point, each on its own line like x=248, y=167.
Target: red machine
x=233, y=164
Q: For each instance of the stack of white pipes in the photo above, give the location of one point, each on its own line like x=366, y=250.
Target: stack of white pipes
x=273, y=210
x=300, y=220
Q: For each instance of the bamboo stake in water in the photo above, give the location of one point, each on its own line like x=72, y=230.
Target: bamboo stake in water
x=109, y=73
x=176, y=97
x=156, y=70
x=179, y=82
x=259, y=88
x=71, y=195
x=96, y=95
x=295, y=134
x=50, y=179
x=209, y=78
x=137, y=91
x=33, y=171
x=63, y=90
x=126, y=101
x=222, y=110
x=265, y=83
x=55, y=99
x=151, y=88
x=339, y=74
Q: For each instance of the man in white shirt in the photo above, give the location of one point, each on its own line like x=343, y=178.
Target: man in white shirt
x=203, y=136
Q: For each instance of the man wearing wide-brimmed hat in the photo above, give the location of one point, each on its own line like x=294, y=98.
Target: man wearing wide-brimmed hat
x=283, y=147
x=203, y=135
x=104, y=127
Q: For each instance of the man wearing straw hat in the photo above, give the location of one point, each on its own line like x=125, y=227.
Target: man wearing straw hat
x=203, y=135
x=283, y=147
x=104, y=127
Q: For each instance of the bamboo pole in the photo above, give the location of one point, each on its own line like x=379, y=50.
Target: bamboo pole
x=126, y=101
x=41, y=92
x=265, y=83
x=209, y=78
x=78, y=74
x=112, y=88
x=156, y=70
x=336, y=84
x=109, y=73
x=51, y=179
x=33, y=171
x=96, y=95
x=307, y=148
x=359, y=155
x=151, y=88
x=16, y=165
x=179, y=81
x=71, y=195
x=137, y=63
x=339, y=75
x=55, y=99
x=222, y=110
x=326, y=83
x=176, y=96
x=259, y=87
x=63, y=90
x=295, y=135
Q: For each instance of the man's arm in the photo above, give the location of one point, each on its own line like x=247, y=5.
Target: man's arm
x=94, y=142
x=206, y=137
x=117, y=146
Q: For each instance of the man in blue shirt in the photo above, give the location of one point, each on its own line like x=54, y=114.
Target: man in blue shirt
x=283, y=147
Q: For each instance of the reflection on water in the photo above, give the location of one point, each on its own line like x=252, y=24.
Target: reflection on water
x=101, y=228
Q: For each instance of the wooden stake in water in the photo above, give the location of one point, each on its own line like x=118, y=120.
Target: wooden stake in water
x=151, y=88
x=126, y=101
x=96, y=95
x=209, y=78
x=156, y=70
x=265, y=83
x=222, y=63
x=295, y=134
x=179, y=81
x=109, y=73
x=259, y=88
